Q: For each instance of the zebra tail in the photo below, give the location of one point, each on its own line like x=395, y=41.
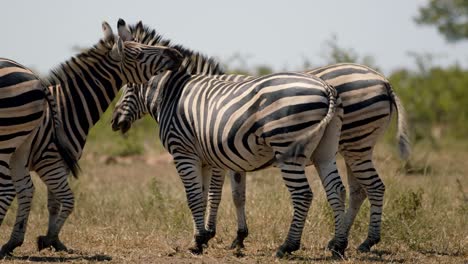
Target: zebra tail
x=302, y=147
x=58, y=134
x=404, y=146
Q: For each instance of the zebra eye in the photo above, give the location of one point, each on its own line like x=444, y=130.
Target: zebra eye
x=140, y=56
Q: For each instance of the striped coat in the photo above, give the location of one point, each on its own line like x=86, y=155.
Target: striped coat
x=282, y=119
x=369, y=103
x=83, y=87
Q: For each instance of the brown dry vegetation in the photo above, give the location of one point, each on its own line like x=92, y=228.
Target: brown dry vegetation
x=133, y=210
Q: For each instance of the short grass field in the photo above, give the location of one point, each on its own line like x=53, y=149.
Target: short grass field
x=131, y=208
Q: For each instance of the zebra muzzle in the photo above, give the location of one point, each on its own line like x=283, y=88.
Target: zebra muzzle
x=124, y=126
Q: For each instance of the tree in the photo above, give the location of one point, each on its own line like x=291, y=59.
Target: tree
x=450, y=17
x=334, y=53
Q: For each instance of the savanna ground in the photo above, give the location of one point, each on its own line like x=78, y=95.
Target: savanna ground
x=131, y=208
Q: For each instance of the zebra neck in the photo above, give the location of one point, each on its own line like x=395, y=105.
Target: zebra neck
x=83, y=96
x=164, y=91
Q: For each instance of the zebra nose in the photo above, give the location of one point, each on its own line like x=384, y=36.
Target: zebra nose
x=124, y=125
x=115, y=123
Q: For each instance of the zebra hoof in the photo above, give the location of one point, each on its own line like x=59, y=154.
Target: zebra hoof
x=337, y=248
x=237, y=244
x=367, y=245
x=364, y=248
x=331, y=244
x=4, y=253
x=338, y=253
x=44, y=242
x=211, y=233
x=8, y=248
x=286, y=249
x=239, y=241
x=196, y=250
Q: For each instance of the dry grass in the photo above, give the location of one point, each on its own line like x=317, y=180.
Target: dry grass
x=133, y=211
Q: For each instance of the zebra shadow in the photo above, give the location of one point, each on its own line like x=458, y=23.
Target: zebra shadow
x=375, y=256
x=93, y=258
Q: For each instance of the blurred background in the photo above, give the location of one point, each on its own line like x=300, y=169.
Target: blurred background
x=421, y=46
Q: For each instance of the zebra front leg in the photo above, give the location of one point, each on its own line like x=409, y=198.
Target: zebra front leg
x=25, y=189
x=238, y=181
x=214, y=199
x=294, y=177
x=189, y=171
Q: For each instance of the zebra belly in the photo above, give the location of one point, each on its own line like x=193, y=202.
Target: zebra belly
x=241, y=155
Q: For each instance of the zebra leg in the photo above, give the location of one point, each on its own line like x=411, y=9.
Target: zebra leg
x=324, y=159
x=357, y=195
x=7, y=190
x=25, y=189
x=60, y=207
x=238, y=180
x=336, y=195
x=64, y=200
x=369, y=179
x=214, y=199
x=189, y=171
x=294, y=177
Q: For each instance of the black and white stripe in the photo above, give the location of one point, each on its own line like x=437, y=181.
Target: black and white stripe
x=369, y=103
x=83, y=87
x=23, y=100
x=207, y=123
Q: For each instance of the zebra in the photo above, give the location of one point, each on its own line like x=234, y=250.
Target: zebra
x=369, y=102
x=207, y=124
x=22, y=106
x=83, y=87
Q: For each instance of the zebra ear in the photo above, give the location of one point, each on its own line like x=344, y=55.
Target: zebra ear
x=120, y=48
x=139, y=26
x=117, y=52
x=124, y=31
x=107, y=30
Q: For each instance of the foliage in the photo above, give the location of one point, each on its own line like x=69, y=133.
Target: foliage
x=436, y=101
x=449, y=16
x=334, y=53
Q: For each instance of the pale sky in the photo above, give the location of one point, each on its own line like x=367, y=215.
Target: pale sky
x=280, y=34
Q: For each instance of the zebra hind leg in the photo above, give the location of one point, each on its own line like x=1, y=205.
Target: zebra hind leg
x=7, y=191
x=25, y=189
x=293, y=174
x=367, y=176
x=51, y=240
x=64, y=198
x=324, y=159
x=238, y=181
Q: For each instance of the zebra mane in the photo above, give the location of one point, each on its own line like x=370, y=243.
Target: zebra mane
x=194, y=62
x=63, y=70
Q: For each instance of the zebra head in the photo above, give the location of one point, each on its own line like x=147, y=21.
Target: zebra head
x=138, y=62
x=128, y=109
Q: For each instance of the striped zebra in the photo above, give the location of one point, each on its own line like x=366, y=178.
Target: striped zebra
x=23, y=100
x=369, y=102
x=211, y=125
x=83, y=87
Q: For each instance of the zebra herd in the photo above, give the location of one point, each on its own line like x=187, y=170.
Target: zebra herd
x=211, y=122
